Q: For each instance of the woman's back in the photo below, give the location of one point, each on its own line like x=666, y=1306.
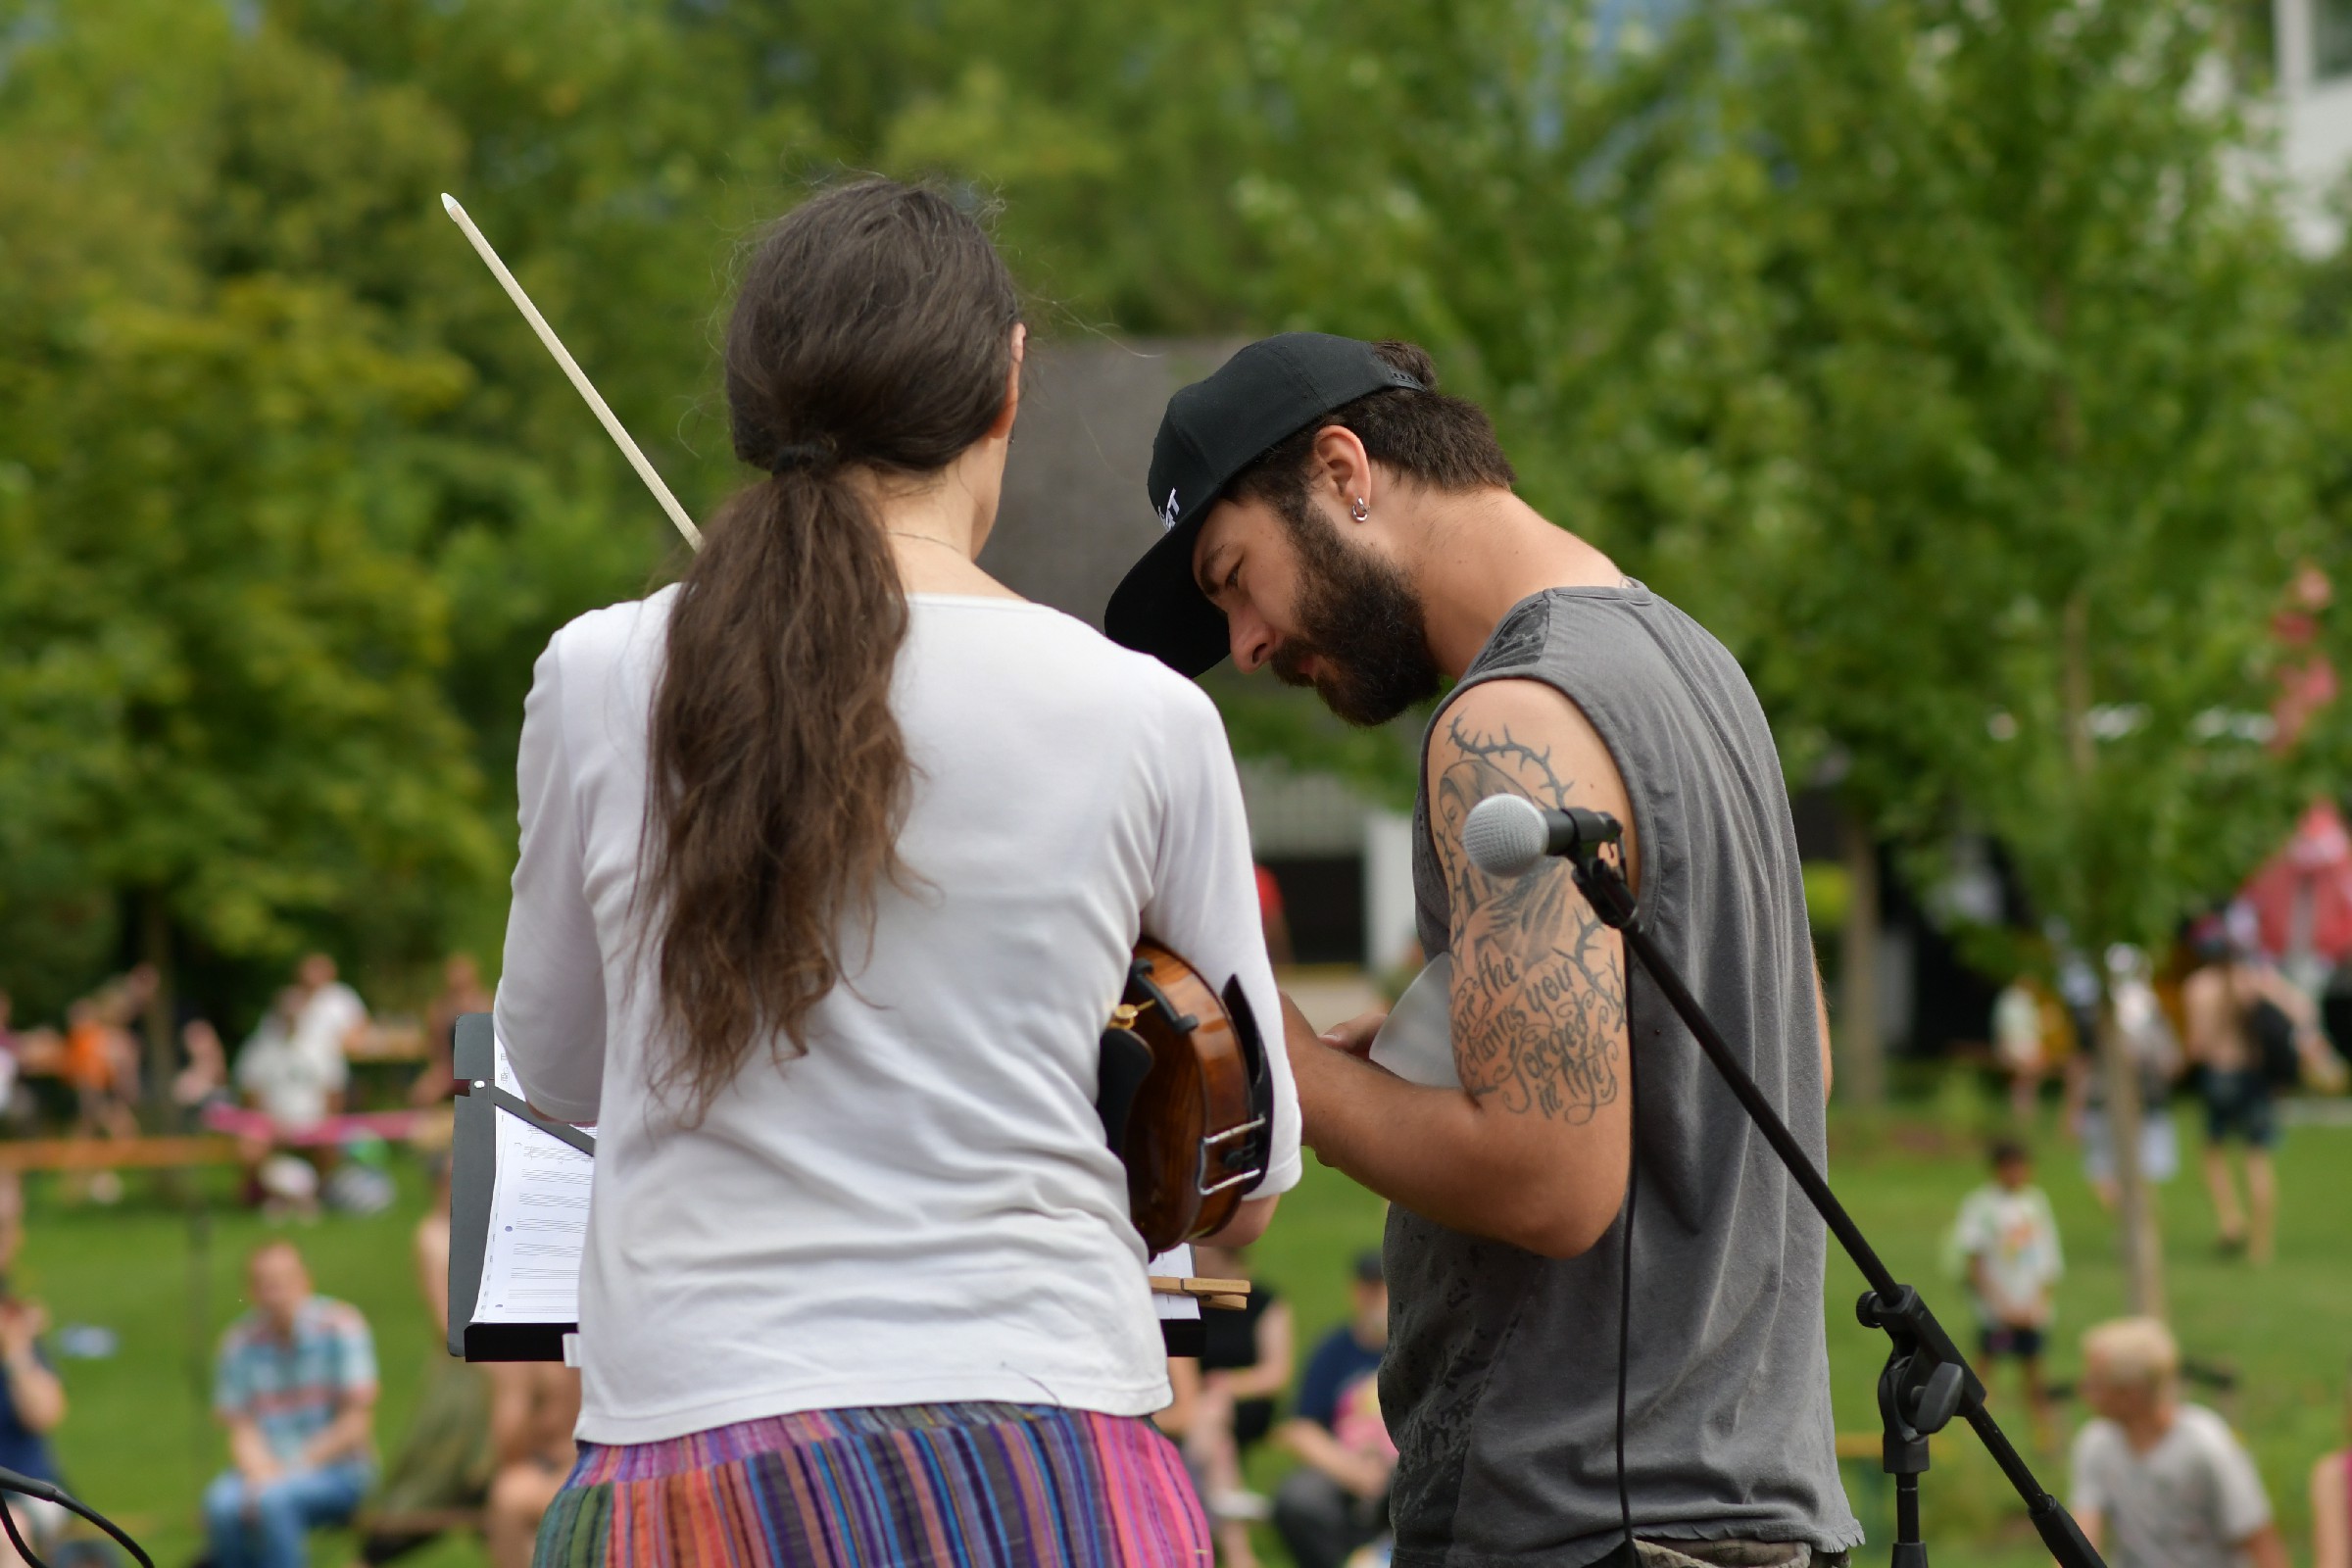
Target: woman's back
x=920, y=1207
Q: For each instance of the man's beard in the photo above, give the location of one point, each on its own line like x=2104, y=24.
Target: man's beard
x=1358, y=619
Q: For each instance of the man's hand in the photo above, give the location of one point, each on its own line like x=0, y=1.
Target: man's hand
x=252, y=1456
x=1354, y=1037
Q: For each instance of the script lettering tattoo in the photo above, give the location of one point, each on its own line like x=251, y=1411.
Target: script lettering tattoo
x=1538, y=990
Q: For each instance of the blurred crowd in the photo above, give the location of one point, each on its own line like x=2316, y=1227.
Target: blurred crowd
x=285, y=1101
x=2161, y=1480
x=2217, y=1019
x=2158, y=1481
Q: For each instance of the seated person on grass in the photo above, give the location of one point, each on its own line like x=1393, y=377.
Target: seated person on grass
x=1337, y=1500
x=440, y=1475
x=2159, y=1482
x=2331, y=1503
x=295, y=1385
x=533, y=1407
x=32, y=1399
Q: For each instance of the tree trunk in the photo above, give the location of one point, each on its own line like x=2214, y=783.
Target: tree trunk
x=2135, y=1208
x=155, y=947
x=1861, y=1054
x=2143, y=1249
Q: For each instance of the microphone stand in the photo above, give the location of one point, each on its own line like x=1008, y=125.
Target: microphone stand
x=1926, y=1380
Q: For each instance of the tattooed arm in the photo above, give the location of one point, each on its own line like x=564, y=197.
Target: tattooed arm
x=1532, y=1148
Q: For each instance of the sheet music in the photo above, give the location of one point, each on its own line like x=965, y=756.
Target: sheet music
x=1176, y=1261
x=538, y=1222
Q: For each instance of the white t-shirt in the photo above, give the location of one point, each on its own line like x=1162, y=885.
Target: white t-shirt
x=2015, y=1236
x=288, y=1076
x=921, y=1207
x=326, y=1018
x=2188, y=1502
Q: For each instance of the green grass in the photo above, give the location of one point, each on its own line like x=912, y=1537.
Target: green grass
x=137, y=1442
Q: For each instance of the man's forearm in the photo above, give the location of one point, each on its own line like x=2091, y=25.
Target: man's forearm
x=1436, y=1152
x=246, y=1449
x=345, y=1436
x=1320, y=1451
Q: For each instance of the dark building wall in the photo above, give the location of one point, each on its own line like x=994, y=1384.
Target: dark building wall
x=1074, y=517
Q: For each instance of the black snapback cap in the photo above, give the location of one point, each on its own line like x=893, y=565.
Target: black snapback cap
x=1213, y=430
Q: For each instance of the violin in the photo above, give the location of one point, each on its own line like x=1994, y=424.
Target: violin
x=1186, y=1102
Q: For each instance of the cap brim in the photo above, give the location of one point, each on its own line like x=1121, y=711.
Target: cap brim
x=1161, y=610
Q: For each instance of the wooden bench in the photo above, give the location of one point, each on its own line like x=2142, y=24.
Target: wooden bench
x=115, y=1154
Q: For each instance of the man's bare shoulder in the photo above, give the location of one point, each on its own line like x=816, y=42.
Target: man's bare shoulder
x=1521, y=737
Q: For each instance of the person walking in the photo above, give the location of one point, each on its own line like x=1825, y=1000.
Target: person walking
x=2234, y=1003
x=1331, y=516
x=2155, y=1056
x=833, y=861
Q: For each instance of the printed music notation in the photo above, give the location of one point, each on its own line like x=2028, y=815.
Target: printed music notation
x=538, y=1223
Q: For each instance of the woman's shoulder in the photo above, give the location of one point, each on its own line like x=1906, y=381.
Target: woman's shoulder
x=614, y=649
x=1082, y=659
x=610, y=631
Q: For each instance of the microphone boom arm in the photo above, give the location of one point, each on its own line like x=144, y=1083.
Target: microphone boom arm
x=1926, y=1380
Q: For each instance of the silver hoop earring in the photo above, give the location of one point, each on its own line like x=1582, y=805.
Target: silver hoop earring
x=1359, y=511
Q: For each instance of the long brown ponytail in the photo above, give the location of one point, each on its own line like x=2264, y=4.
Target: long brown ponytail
x=871, y=339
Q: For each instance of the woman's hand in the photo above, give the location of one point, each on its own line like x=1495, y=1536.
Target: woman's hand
x=20, y=1324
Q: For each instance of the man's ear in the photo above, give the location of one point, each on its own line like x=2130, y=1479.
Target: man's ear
x=1343, y=465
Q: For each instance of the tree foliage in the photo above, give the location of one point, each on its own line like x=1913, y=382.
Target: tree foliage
x=1943, y=355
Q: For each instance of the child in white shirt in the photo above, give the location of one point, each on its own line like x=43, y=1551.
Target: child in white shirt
x=2007, y=1240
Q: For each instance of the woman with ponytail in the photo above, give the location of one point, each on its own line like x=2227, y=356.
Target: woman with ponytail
x=832, y=858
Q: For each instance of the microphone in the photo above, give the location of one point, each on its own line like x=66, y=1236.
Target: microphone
x=1509, y=835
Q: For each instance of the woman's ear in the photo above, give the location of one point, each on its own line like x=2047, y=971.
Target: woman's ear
x=1000, y=428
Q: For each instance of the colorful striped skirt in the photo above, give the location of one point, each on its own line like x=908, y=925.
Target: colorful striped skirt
x=959, y=1485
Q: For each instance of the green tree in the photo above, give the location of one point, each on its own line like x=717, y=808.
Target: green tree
x=2035, y=313
x=292, y=498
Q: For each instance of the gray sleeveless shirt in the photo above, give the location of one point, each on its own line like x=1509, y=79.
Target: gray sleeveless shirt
x=1500, y=1382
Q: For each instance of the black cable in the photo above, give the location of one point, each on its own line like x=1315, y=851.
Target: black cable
x=1625, y=1269
x=8, y=1520
x=50, y=1491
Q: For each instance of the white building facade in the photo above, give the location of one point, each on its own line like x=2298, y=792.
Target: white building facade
x=2313, y=43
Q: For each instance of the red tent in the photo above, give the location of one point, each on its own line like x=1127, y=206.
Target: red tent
x=2307, y=885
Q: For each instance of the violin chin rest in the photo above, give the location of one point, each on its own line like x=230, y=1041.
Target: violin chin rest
x=1126, y=1064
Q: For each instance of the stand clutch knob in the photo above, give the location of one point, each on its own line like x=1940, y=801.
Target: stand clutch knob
x=1937, y=1400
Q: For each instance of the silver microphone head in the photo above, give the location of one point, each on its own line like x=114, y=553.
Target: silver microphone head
x=1504, y=835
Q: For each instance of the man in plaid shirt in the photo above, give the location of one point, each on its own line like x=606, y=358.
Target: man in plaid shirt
x=295, y=1385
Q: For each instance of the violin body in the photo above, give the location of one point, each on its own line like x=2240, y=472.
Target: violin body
x=1195, y=1128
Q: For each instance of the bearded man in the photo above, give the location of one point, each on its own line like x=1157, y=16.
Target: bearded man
x=1333, y=515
